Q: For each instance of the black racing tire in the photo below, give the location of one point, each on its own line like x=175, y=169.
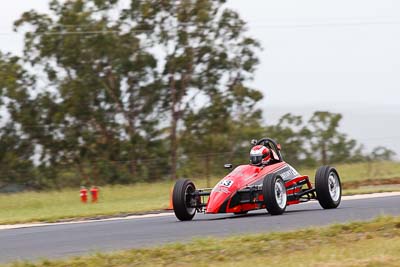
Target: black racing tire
x=181, y=201
x=274, y=193
x=328, y=187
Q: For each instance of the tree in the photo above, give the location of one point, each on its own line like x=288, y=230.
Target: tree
x=293, y=135
x=213, y=136
x=382, y=153
x=328, y=142
x=100, y=104
x=205, y=53
x=16, y=150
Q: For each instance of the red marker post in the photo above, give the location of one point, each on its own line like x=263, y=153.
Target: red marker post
x=94, y=191
x=83, y=194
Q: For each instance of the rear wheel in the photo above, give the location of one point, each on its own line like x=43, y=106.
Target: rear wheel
x=183, y=201
x=328, y=187
x=274, y=192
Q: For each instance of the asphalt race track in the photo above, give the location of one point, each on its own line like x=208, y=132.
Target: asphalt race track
x=75, y=239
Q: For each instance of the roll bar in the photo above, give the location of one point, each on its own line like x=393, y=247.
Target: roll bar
x=268, y=142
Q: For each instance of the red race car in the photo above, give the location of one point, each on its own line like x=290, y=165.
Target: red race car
x=266, y=182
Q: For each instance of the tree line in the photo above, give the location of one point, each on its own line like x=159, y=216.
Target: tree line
x=110, y=93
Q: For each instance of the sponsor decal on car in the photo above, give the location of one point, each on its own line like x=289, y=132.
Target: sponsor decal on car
x=226, y=183
x=289, y=173
x=223, y=186
x=221, y=189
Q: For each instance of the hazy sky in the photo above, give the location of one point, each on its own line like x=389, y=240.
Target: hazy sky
x=315, y=52
x=341, y=51
x=341, y=55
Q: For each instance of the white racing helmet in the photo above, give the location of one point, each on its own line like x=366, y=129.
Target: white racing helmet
x=259, y=155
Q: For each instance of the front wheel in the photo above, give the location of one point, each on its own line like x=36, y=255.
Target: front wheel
x=274, y=192
x=328, y=187
x=183, y=200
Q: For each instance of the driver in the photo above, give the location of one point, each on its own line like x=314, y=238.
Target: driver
x=260, y=155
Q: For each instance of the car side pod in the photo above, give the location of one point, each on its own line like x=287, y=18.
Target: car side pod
x=328, y=187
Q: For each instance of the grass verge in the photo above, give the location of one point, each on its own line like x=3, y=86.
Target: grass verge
x=65, y=205
x=363, y=171
x=122, y=200
x=372, y=189
x=375, y=243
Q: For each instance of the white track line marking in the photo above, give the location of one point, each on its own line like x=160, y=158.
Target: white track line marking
x=372, y=195
x=16, y=226
x=362, y=196
x=133, y=217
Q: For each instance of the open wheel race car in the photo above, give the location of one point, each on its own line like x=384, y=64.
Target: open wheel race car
x=266, y=183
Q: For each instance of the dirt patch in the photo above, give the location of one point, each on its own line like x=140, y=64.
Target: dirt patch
x=369, y=182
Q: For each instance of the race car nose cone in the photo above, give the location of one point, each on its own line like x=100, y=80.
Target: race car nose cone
x=217, y=200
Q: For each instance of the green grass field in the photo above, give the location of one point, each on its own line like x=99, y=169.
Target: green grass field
x=363, y=171
x=375, y=243
x=52, y=206
x=119, y=200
